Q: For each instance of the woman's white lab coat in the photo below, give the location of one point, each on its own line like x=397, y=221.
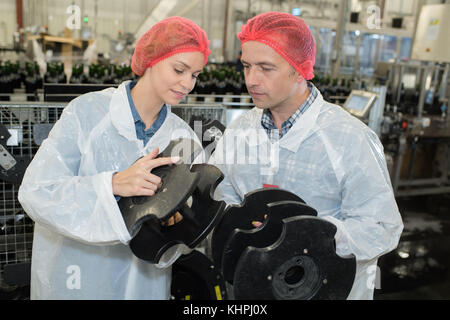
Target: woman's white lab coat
x=80, y=240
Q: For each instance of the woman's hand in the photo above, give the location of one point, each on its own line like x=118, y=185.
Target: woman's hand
x=138, y=180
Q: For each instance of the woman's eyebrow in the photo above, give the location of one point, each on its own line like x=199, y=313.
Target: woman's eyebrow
x=186, y=65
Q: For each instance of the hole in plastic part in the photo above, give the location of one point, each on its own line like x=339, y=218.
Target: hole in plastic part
x=294, y=275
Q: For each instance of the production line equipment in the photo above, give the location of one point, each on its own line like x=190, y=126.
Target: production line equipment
x=413, y=126
x=416, y=128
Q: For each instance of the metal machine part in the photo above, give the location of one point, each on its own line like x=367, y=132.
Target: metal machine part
x=263, y=236
x=359, y=102
x=239, y=217
x=12, y=168
x=41, y=131
x=194, y=277
x=301, y=265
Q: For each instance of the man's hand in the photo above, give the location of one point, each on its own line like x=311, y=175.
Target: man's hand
x=138, y=180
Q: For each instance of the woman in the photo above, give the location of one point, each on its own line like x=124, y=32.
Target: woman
x=88, y=161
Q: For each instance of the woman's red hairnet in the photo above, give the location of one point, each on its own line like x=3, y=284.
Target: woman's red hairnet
x=168, y=37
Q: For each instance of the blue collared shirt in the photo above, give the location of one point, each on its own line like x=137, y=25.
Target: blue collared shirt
x=141, y=133
x=270, y=127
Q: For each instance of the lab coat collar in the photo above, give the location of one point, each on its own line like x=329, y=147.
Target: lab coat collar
x=120, y=112
x=121, y=115
x=302, y=128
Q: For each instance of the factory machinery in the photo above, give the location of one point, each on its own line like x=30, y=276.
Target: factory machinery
x=407, y=106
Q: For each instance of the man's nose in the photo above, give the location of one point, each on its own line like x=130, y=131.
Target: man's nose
x=251, y=77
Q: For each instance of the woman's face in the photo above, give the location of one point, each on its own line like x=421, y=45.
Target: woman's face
x=173, y=78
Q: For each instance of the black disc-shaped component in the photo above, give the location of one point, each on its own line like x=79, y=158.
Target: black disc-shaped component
x=302, y=264
x=208, y=130
x=263, y=236
x=144, y=216
x=252, y=208
x=178, y=183
x=194, y=277
x=188, y=150
x=153, y=239
x=171, y=195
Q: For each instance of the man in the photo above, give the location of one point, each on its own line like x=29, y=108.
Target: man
x=296, y=141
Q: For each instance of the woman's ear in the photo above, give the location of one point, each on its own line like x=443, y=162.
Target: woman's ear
x=146, y=76
x=147, y=71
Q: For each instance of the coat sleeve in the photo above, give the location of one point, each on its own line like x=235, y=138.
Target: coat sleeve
x=54, y=195
x=370, y=224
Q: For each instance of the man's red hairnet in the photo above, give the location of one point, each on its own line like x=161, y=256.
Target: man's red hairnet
x=168, y=37
x=288, y=35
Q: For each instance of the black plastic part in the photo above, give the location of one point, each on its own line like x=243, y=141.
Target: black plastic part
x=208, y=130
x=194, y=277
x=263, y=236
x=15, y=174
x=188, y=150
x=4, y=135
x=302, y=264
x=253, y=208
x=145, y=216
x=178, y=183
x=18, y=274
x=153, y=239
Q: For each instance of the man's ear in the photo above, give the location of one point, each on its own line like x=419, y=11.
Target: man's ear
x=300, y=78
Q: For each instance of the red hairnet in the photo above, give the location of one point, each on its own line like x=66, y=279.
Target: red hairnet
x=168, y=37
x=288, y=35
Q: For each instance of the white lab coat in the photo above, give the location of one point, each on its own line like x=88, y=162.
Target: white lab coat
x=80, y=240
x=335, y=163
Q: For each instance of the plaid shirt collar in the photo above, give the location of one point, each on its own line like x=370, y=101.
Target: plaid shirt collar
x=268, y=124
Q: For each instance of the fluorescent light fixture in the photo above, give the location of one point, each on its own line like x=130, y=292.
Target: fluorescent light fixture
x=296, y=11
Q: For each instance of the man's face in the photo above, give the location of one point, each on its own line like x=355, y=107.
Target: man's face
x=271, y=81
